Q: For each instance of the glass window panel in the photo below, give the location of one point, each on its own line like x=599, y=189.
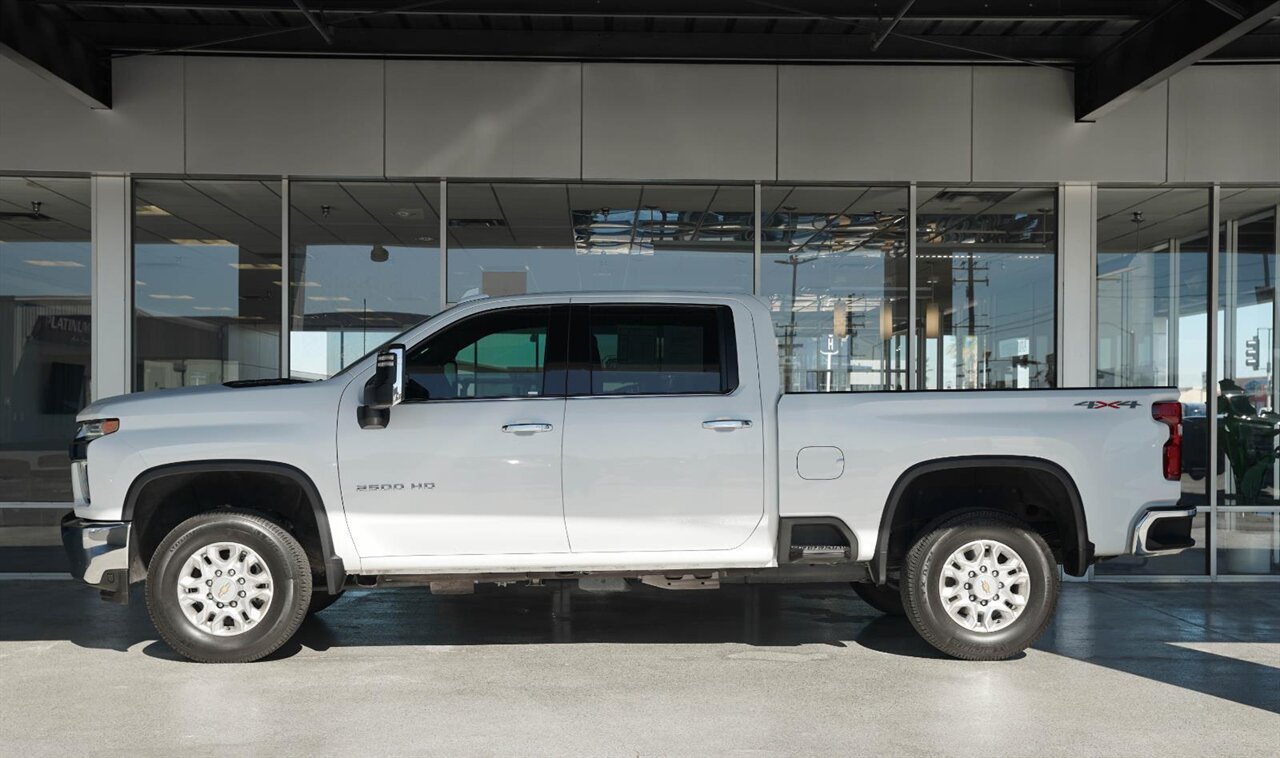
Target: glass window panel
x=44, y=332
x=1248, y=423
x=494, y=355
x=206, y=263
x=517, y=238
x=1248, y=542
x=655, y=350
x=31, y=540
x=1152, y=285
x=1193, y=562
x=364, y=265
x=834, y=265
x=987, y=287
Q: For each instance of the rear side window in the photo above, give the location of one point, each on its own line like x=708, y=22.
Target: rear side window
x=659, y=350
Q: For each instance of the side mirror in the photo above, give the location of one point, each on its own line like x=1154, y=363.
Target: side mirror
x=385, y=390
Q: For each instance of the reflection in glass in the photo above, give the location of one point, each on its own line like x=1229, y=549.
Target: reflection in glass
x=1249, y=427
x=1248, y=542
x=1152, y=290
x=206, y=262
x=517, y=238
x=834, y=265
x=987, y=292
x=44, y=334
x=364, y=265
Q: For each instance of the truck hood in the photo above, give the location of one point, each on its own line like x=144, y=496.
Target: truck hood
x=237, y=398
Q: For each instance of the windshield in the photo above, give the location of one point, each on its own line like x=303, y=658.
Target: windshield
x=377, y=349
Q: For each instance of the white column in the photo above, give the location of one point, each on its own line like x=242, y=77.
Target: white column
x=1077, y=269
x=112, y=308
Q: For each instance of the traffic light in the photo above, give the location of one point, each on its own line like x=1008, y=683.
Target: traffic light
x=1251, y=357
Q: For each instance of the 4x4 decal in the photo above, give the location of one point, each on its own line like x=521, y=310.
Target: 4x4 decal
x=1093, y=404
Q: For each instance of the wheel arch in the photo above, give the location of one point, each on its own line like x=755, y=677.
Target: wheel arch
x=332, y=565
x=1076, y=556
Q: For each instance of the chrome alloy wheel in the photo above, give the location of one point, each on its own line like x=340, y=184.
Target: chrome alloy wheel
x=224, y=589
x=984, y=586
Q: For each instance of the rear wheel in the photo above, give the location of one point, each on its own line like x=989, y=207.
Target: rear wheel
x=980, y=586
x=228, y=587
x=886, y=598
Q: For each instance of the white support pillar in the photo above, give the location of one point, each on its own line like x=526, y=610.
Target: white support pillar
x=112, y=307
x=1077, y=271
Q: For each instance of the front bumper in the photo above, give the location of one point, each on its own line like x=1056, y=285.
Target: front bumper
x=1163, y=531
x=99, y=554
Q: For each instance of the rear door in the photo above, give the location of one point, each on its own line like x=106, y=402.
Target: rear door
x=663, y=438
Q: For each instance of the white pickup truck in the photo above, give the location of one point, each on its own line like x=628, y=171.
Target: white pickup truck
x=605, y=439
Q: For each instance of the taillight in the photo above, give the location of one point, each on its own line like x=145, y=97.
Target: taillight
x=1170, y=414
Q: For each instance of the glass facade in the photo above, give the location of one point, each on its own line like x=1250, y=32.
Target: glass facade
x=222, y=291
x=207, y=274
x=517, y=238
x=364, y=265
x=987, y=287
x=834, y=266
x=45, y=281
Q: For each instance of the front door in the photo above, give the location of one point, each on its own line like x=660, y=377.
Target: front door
x=469, y=463
x=663, y=446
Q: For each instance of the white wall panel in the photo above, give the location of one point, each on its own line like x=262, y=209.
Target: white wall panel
x=1024, y=130
x=42, y=128
x=284, y=116
x=671, y=121
x=1224, y=124
x=874, y=123
x=484, y=119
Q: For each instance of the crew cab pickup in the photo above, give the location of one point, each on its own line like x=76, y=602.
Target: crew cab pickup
x=608, y=439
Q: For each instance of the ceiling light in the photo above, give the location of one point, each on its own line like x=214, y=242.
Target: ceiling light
x=426, y=239
x=329, y=298
x=55, y=264
x=298, y=284
x=202, y=242
x=255, y=266
x=210, y=308
x=172, y=297
x=409, y=213
x=149, y=210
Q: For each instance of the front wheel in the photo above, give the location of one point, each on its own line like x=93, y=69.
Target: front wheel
x=981, y=586
x=228, y=587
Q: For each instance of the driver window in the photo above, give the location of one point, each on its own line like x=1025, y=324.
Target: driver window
x=494, y=355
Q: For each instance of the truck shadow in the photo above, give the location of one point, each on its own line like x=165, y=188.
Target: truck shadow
x=1217, y=640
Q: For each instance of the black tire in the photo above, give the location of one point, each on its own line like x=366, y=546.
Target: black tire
x=321, y=599
x=922, y=576
x=278, y=550
x=886, y=598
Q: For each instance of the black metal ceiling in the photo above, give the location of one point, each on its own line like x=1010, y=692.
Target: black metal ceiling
x=1059, y=32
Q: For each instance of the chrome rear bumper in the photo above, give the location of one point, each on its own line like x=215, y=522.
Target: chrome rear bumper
x=99, y=553
x=1163, y=531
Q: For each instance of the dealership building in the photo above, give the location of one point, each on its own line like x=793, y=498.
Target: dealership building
x=961, y=197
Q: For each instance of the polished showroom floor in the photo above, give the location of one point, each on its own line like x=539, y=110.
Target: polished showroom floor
x=1126, y=670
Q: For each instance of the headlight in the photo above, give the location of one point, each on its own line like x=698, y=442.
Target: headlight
x=92, y=430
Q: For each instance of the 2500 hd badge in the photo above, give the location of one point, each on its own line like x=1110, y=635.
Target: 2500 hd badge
x=395, y=486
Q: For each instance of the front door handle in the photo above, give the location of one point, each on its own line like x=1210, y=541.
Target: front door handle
x=726, y=424
x=526, y=428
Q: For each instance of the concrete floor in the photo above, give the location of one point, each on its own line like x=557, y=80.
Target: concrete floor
x=1126, y=670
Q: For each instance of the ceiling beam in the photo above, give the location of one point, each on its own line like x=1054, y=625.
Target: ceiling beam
x=925, y=10
x=583, y=45
x=32, y=38
x=1186, y=32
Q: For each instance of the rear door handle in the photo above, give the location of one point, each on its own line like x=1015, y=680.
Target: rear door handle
x=726, y=424
x=526, y=428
